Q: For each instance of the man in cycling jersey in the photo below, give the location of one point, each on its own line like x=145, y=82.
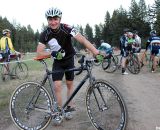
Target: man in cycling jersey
x=154, y=43
x=6, y=48
x=106, y=47
x=126, y=41
x=58, y=36
x=137, y=44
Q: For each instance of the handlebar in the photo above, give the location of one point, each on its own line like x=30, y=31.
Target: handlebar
x=85, y=64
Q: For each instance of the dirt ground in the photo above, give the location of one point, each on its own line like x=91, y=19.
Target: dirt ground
x=141, y=94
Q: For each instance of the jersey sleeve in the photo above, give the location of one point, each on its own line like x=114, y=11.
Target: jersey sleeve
x=42, y=38
x=73, y=31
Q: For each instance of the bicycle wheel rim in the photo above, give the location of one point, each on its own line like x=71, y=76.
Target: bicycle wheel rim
x=21, y=70
x=31, y=116
x=114, y=117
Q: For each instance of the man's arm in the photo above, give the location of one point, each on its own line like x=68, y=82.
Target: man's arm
x=86, y=43
x=41, y=50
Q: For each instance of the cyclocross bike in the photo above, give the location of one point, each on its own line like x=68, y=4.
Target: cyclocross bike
x=19, y=70
x=32, y=107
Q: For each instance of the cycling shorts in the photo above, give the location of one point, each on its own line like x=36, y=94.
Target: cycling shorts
x=125, y=51
x=61, y=65
x=155, y=52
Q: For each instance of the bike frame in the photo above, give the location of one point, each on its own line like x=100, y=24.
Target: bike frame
x=48, y=77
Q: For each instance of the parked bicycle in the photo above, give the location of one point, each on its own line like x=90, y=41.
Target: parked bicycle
x=19, y=69
x=32, y=107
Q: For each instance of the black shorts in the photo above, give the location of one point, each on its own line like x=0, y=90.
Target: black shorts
x=62, y=65
x=155, y=52
x=126, y=50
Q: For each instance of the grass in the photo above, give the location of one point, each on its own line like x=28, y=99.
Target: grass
x=36, y=71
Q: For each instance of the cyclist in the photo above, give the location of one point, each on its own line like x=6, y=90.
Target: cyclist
x=148, y=46
x=6, y=47
x=154, y=43
x=124, y=46
x=58, y=36
x=137, y=43
x=136, y=47
x=106, y=47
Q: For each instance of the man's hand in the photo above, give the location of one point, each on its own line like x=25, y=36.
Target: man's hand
x=57, y=55
x=99, y=58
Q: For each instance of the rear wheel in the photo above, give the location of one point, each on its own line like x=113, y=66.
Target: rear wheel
x=105, y=106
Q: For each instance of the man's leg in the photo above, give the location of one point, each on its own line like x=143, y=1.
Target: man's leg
x=155, y=61
x=69, y=90
x=58, y=91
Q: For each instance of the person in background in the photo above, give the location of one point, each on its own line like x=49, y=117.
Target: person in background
x=58, y=36
x=123, y=48
x=154, y=42
x=137, y=44
x=106, y=47
x=6, y=48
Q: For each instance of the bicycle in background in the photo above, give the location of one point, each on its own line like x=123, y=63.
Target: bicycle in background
x=19, y=69
x=32, y=107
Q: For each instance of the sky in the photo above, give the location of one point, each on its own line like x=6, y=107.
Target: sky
x=75, y=12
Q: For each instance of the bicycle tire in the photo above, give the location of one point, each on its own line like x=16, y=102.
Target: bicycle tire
x=96, y=63
x=109, y=65
x=110, y=114
x=21, y=70
x=133, y=65
x=30, y=106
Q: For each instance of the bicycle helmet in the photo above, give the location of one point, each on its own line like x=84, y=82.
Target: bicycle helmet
x=52, y=12
x=126, y=30
x=135, y=32
x=153, y=33
x=130, y=34
x=5, y=31
x=101, y=41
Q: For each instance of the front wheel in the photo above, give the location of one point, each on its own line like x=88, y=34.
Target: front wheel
x=109, y=64
x=21, y=70
x=105, y=106
x=30, y=106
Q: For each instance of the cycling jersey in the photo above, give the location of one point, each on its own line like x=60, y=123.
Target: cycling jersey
x=154, y=42
x=60, y=39
x=6, y=45
x=106, y=47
